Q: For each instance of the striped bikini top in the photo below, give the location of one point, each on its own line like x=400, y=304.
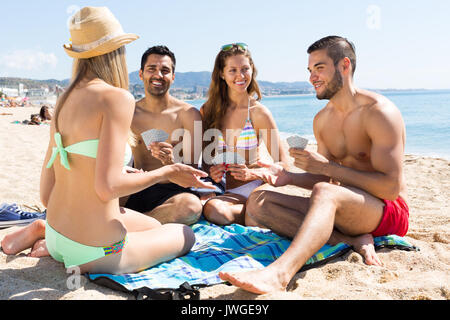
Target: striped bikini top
x=247, y=140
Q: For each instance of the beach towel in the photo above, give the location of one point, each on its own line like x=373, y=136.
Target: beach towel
x=227, y=248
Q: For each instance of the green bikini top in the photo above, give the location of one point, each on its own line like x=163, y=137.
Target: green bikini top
x=86, y=148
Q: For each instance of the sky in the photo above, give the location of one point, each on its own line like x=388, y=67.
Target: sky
x=399, y=44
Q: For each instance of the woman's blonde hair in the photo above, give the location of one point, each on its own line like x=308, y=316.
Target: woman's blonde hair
x=215, y=107
x=110, y=67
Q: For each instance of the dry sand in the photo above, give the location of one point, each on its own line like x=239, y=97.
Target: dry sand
x=405, y=275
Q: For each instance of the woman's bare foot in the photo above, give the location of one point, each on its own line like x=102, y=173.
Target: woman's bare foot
x=23, y=238
x=39, y=249
x=364, y=245
x=256, y=281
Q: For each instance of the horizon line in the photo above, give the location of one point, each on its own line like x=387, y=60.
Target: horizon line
x=50, y=79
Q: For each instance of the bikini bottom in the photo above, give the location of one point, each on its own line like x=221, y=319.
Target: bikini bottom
x=72, y=253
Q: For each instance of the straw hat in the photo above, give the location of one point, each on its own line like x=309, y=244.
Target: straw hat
x=95, y=31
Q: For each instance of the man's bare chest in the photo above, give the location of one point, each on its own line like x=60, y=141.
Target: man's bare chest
x=347, y=143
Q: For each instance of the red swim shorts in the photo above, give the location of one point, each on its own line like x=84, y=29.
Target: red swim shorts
x=395, y=218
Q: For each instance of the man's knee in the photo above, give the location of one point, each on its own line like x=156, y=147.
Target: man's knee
x=326, y=192
x=323, y=189
x=188, y=208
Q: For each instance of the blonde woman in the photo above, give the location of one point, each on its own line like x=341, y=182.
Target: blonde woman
x=241, y=123
x=82, y=177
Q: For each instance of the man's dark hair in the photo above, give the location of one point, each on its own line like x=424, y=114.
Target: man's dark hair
x=337, y=49
x=161, y=50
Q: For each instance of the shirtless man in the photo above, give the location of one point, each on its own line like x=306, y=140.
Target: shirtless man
x=166, y=202
x=356, y=177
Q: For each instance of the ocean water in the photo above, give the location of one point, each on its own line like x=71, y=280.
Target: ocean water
x=426, y=115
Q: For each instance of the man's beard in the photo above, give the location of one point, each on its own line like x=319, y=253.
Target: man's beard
x=157, y=92
x=332, y=88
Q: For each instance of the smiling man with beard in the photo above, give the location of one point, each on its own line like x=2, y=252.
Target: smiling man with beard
x=165, y=201
x=356, y=175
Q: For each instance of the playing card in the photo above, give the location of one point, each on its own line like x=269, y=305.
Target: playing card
x=154, y=135
x=228, y=158
x=297, y=142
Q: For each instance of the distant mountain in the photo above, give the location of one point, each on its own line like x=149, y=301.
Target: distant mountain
x=11, y=82
x=285, y=85
x=183, y=80
x=189, y=80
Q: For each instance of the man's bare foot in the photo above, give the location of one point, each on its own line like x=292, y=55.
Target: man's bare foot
x=23, y=238
x=364, y=245
x=39, y=249
x=255, y=281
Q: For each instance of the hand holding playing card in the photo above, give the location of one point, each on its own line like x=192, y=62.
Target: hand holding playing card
x=162, y=151
x=309, y=161
x=297, y=142
x=216, y=172
x=154, y=135
x=155, y=141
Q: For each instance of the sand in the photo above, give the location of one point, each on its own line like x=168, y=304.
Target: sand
x=422, y=275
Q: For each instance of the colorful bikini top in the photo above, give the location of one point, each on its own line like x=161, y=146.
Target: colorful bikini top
x=86, y=148
x=247, y=140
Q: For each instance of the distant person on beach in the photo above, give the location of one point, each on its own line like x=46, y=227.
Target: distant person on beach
x=241, y=123
x=165, y=201
x=35, y=119
x=83, y=178
x=356, y=175
x=46, y=114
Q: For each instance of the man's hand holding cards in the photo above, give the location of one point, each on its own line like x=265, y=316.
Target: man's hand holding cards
x=155, y=141
x=154, y=135
x=297, y=142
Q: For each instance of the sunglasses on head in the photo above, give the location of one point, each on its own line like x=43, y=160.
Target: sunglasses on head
x=240, y=45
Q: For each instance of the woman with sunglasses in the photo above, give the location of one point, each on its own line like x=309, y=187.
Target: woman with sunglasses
x=239, y=122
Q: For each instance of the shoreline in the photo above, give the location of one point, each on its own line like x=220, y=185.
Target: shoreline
x=283, y=134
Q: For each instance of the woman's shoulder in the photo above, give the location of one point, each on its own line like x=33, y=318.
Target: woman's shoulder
x=259, y=111
x=114, y=97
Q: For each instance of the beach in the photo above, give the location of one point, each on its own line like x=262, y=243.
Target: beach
x=421, y=275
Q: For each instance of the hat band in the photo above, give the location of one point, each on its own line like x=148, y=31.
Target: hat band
x=95, y=44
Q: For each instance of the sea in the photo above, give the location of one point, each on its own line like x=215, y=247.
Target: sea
x=426, y=114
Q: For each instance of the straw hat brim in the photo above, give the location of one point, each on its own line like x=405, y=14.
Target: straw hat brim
x=103, y=48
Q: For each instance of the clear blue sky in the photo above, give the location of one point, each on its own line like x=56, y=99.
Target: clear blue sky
x=400, y=44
